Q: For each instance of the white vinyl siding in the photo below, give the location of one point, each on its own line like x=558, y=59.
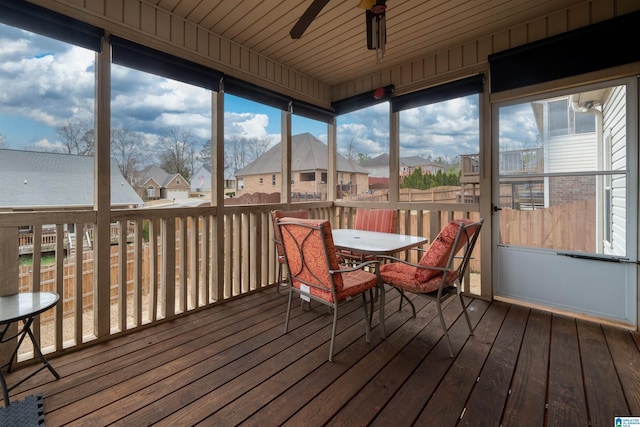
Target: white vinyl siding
x=572, y=153
x=614, y=124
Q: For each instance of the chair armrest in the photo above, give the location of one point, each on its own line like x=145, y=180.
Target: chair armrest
x=356, y=267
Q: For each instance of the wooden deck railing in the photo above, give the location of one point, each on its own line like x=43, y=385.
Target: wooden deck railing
x=530, y=160
x=49, y=237
x=172, y=261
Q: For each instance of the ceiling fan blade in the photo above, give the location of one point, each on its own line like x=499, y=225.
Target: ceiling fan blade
x=307, y=17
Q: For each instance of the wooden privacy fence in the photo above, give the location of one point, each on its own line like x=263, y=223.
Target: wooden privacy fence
x=569, y=226
x=48, y=278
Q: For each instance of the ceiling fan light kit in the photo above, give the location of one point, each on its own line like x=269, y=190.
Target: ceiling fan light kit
x=375, y=18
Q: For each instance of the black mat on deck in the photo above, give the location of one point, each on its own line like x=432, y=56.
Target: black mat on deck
x=23, y=413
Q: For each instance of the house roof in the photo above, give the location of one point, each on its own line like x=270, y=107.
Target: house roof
x=308, y=153
x=412, y=161
x=32, y=179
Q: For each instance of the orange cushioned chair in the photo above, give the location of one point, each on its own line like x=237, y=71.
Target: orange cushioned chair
x=315, y=273
x=277, y=238
x=382, y=220
x=436, y=276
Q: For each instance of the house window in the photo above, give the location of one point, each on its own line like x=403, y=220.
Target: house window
x=450, y=149
x=566, y=120
x=273, y=180
x=355, y=149
x=178, y=141
x=261, y=181
x=151, y=192
x=307, y=176
x=65, y=98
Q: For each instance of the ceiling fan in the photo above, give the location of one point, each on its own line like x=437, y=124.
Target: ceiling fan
x=374, y=15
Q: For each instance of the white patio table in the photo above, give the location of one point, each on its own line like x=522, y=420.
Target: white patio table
x=375, y=243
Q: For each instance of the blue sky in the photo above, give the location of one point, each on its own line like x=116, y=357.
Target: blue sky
x=46, y=83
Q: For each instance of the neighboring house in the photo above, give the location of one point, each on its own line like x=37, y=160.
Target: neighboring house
x=379, y=166
x=201, y=181
x=153, y=183
x=33, y=180
x=409, y=164
x=309, y=160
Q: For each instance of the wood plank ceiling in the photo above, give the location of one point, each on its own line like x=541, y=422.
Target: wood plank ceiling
x=333, y=48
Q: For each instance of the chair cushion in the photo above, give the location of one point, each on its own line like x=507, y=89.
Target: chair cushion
x=403, y=276
x=275, y=215
x=356, y=282
x=439, y=251
x=317, y=262
x=383, y=220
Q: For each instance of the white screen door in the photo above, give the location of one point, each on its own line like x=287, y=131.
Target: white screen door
x=565, y=203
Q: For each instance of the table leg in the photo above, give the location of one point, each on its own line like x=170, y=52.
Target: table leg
x=5, y=390
x=46, y=363
x=26, y=330
x=381, y=302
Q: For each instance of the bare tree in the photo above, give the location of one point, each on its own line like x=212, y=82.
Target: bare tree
x=125, y=148
x=177, y=153
x=3, y=141
x=236, y=152
x=259, y=146
x=350, y=151
x=205, y=154
x=77, y=138
x=240, y=151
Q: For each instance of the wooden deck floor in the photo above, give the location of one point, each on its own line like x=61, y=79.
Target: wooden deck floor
x=232, y=365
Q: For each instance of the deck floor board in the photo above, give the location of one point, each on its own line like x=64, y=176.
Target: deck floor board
x=231, y=364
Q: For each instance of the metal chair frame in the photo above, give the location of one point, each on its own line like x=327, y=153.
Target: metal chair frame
x=445, y=289
x=317, y=283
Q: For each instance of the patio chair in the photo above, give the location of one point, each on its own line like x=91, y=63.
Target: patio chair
x=382, y=220
x=439, y=273
x=315, y=273
x=277, y=239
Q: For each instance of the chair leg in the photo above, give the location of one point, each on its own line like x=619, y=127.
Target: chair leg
x=365, y=302
x=286, y=320
x=444, y=328
x=333, y=331
x=367, y=318
x=466, y=315
x=279, y=276
x=403, y=296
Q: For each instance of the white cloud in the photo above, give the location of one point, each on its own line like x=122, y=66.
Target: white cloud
x=46, y=145
x=249, y=125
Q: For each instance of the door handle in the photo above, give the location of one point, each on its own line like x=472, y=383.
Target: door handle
x=496, y=208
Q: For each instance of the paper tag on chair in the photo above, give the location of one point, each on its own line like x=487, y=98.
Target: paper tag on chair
x=305, y=289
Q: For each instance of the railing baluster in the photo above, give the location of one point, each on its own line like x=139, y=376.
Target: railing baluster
x=77, y=295
x=137, y=271
x=122, y=275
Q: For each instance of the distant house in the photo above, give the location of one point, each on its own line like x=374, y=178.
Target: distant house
x=33, y=180
x=309, y=160
x=201, y=181
x=409, y=164
x=153, y=183
x=379, y=166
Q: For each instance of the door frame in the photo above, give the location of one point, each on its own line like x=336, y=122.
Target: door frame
x=628, y=312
